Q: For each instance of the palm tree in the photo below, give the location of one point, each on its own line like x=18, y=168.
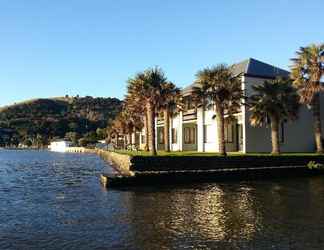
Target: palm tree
x=134, y=102
x=117, y=128
x=307, y=73
x=276, y=100
x=225, y=92
x=147, y=86
x=128, y=120
x=169, y=98
x=133, y=115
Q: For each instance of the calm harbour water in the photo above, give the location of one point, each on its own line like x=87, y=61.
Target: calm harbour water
x=55, y=201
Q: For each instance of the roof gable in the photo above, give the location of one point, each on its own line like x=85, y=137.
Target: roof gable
x=250, y=67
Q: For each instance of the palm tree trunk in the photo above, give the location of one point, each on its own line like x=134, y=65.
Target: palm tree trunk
x=317, y=123
x=275, y=135
x=146, y=148
x=151, y=127
x=221, y=130
x=134, y=131
x=166, y=116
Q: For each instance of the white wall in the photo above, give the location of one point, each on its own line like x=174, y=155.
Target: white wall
x=212, y=144
x=298, y=134
x=298, y=137
x=59, y=146
x=200, y=130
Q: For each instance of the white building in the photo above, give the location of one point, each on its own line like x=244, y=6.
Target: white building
x=59, y=146
x=196, y=130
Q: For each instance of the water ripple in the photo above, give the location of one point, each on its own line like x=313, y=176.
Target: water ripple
x=54, y=201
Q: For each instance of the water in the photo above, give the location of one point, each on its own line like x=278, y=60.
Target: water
x=55, y=201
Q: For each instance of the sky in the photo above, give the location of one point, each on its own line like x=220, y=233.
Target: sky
x=91, y=47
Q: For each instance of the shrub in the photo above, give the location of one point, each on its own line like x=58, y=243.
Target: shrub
x=315, y=165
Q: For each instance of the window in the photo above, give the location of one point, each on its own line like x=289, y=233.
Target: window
x=174, y=135
x=208, y=133
x=189, y=103
x=160, y=136
x=229, y=136
x=268, y=121
x=189, y=135
x=143, y=139
x=137, y=138
x=282, y=133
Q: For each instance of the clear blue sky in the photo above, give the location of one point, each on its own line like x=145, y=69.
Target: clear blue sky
x=90, y=47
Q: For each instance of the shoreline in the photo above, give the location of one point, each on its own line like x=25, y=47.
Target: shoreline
x=161, y=170
x=191, y=177
x=139, y=170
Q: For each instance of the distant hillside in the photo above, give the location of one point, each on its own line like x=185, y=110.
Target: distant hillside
x=38, y=121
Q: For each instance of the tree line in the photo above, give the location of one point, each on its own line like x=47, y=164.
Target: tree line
x=35, y=123
x=151, y=94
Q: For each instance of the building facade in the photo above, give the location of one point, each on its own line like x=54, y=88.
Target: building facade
x=195, y=129
x=59, y=146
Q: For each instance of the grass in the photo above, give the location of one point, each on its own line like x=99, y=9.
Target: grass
x=163, y=153
x=195, y=153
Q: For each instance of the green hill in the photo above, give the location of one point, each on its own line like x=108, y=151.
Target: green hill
x=38, y=121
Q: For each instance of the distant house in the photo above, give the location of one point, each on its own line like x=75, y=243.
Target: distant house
x=102, y=144
x=59, y=145
x=22, y=145
x=194, y=129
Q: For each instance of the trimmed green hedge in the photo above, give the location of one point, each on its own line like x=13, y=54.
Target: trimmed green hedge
x=179, y=163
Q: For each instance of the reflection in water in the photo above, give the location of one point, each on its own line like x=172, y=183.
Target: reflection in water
x=205, y=216
x=55, y=201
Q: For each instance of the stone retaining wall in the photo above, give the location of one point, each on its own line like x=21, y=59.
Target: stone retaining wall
x=128, y=165
x=122, y=163
x=119, y=162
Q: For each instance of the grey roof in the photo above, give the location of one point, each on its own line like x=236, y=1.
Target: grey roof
x=250, y=67
x=256, y=68
x=188, y=89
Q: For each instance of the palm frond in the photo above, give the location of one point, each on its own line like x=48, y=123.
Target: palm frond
x=277, y=98
x=308, y=71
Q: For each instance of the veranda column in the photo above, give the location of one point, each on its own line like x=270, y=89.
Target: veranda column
x=170, y=133
x=180, y=132
x=133, y=137
x=156, y=134
x=200, y=129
